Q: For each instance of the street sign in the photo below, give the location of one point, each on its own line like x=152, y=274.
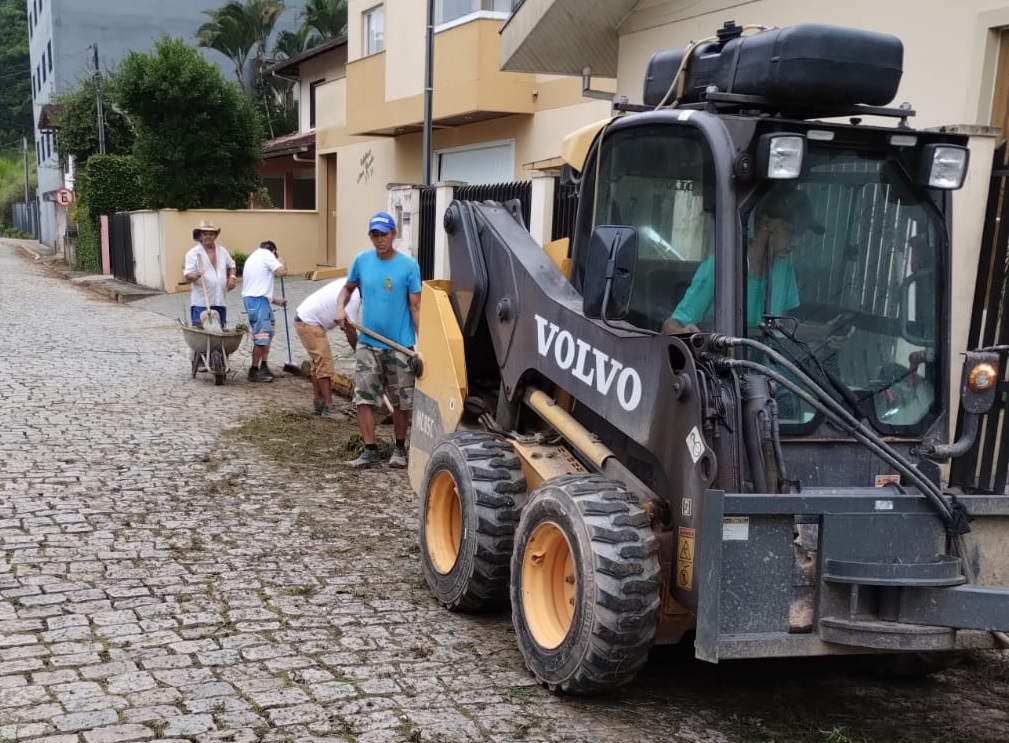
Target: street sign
x=64, y=197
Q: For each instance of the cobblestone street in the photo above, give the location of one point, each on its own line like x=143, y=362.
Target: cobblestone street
x=162, y=580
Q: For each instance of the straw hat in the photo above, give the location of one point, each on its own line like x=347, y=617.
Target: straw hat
x=207, y=225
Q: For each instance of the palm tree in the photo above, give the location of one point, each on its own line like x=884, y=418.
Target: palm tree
x=226, y=34
x=326, y=19
x=240, y=30
x=292, y=43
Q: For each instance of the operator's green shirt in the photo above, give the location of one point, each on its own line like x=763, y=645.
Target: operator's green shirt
x=698, y=302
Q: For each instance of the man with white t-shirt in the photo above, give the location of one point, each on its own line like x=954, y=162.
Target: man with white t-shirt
x=313, y=319
x=257, y=296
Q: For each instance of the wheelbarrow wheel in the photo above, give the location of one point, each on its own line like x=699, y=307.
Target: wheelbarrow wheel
x=218, y=367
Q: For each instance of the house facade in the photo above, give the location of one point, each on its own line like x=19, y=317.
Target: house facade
x=955, y=70
x=488, y=126
x=63, y=38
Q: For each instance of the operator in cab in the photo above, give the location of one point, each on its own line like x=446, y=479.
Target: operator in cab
x=781, y=219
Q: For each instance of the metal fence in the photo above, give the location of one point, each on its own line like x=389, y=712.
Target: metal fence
x=25, y=217
x=985, y=467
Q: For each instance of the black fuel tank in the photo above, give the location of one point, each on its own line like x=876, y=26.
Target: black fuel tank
x=812, y=63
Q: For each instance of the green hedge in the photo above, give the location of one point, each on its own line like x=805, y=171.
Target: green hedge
x=112, y=184
x=105, y=185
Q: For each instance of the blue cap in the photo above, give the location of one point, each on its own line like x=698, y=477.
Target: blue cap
x=381, y=222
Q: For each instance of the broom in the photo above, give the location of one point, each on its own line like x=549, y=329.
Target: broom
x=289, y=367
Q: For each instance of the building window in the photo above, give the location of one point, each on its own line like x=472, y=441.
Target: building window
x=374, y=30
x=449, y=10
x=311, y=102
x=49, y=53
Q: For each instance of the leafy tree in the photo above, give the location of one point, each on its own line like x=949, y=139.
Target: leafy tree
x=15, y=75
x=199, y=139
x=78, y=121
x=325, y=19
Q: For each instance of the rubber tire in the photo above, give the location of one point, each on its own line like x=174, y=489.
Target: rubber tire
x=490, y=487
x=617, y=583
x=217, y=366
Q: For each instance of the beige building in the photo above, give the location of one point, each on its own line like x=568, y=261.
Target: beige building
x=956, y=69
x=489, y=126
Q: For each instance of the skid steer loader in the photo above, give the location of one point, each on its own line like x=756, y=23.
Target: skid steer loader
x=762, y=476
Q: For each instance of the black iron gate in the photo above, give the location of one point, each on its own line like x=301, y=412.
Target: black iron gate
x=500, y=192
x=121, y=248
x=984, y=468
x=430, y=220
x=425, y=238
x=565, y=210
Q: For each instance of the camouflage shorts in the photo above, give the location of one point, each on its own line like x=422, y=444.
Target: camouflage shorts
x=382, y=369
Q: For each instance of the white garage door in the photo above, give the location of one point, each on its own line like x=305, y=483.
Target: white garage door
x=492, y=162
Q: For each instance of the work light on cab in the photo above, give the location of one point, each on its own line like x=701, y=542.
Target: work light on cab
x=947, y=166
x=780, y=156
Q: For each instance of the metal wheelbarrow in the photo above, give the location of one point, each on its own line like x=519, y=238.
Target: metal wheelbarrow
x=212, y=349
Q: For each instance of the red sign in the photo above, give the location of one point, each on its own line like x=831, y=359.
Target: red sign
x=64, y=197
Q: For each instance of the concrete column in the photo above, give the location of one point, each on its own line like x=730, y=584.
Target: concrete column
x=443, y=197
x=103, y=221
x=541, y=213
x=404, y=206
x=969, y=204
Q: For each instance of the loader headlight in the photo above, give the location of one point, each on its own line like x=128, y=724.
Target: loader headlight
x=779, y=156
x=944, y=166
x=982, y=378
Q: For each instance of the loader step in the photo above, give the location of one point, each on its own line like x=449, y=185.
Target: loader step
x=943, y=571
x=880, y=635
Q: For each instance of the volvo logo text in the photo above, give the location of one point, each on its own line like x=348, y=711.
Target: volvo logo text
x=587, y=364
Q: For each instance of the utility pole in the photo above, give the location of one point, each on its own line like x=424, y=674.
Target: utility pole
x=428, y=93
x=98, y=103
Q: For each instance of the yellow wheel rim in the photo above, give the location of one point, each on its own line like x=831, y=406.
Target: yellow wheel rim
x=443, y=522
x=549, y=585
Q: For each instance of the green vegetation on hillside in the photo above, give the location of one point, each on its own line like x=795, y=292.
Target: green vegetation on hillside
x=15, y=76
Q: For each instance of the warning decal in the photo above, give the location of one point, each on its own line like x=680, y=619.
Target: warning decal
x=685, y=559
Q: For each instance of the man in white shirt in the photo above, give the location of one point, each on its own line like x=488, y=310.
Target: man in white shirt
x=312, y=320
x=208, y=265
x=257, y=296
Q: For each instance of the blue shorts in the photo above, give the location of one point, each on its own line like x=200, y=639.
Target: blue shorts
x=261, y=319
x=195, y=312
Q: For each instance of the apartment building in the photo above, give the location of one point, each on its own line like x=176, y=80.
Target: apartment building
x=63, y=35
x=363, y=103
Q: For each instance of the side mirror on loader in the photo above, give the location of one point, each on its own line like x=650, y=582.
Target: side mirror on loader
x=609, y=272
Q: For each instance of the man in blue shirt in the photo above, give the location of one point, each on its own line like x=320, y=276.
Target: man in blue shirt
x=389, y=282
x=782, y=218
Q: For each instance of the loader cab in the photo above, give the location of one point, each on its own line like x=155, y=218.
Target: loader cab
x=857, y=298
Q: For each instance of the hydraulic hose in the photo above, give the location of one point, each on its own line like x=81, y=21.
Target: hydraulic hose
x=856, y=429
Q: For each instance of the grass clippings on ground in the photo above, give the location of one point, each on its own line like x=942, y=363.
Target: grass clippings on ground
x=307, y=442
